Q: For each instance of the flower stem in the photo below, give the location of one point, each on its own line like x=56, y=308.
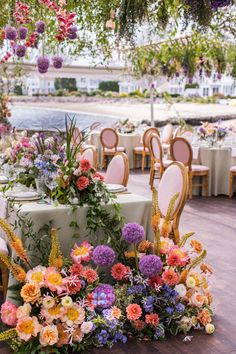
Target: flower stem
x=136, y=257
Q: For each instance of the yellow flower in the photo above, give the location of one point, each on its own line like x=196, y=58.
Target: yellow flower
x=210, y=328
x=74, y=315
x=27, y=327
x=36, y=275
x=190, y=282
x=130, y=254
x=30, y=292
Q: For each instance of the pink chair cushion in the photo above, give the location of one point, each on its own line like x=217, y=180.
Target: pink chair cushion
x=171, y=183
x=181, y=151
x=3, y=246
x=109, y=139
x=233, y=169
x=88, y=154
x=167, y=133
x=115, y=171
x=140, y=149
x=199, y=168
x=156, y=147
x=119, y=149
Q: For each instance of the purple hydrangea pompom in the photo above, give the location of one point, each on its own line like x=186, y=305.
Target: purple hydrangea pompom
x=72, y=32
x=40, y=26
x=150, y=265
x=133, y=233
x=57, y=62
x=103, y=256
x=103, y=296
x=20, y=50
x=23, y=31
x=11, y=33
x=43, y=64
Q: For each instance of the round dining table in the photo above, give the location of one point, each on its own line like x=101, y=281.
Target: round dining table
x=128, y=140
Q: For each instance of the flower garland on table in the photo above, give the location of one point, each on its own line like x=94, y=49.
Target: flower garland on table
x=69, y=304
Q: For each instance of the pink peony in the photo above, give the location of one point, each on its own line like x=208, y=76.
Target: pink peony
x=82, y=183
x=8, y=313
x=85, y=165
x=98, y=176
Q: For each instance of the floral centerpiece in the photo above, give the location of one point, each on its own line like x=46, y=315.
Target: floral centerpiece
x=211, y=132
x=98, y=297
x=125, y=126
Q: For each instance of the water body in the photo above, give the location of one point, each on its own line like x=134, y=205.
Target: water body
x=37, y=119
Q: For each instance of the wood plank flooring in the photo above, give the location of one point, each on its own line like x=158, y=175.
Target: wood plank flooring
x=214, y=221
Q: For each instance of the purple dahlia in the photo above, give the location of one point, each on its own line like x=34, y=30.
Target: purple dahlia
x=103, y=296
x=11, y=33
x=40, y=26
x=20, y=50
x=150, y=265
x=72, y=32
x=23, y=31
x=57, y=62
x=103, y=256
x=133, y=233
x=43, y=64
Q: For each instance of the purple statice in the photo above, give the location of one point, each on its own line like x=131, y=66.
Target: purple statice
x=148, y=304
x=20, y=50
x=180, y=307
x=40, y=26
x=43, y=64
x=103, y=296
x=103, y=337
x=150, y=265
x=72, y=32
x=23, y=31
x=119, y=337
x=11, y=33
x=103, y=256
x=136, y=289
x=57, y=62
x=133, y=233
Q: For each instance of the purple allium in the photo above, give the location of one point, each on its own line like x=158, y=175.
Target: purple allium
x=57, y=62
x=133, y=233
x=11, y=33
x=72, y=32
x=215, y=4
x=103, y=296
x=103, y=256
x=20, y=50
x=150, y=265
x=23, y=31
x=40, y=26
x=43, y=64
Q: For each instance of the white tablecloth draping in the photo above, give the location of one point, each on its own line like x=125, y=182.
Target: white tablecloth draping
x=219, y=161
x=128, y=141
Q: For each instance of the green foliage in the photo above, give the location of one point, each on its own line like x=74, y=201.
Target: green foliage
x=18, y=90
x=109, y=86
x=65, y=84
x=192, y=86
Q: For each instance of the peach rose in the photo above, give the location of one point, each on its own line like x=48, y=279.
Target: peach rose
x=204, y=317
x=48, y=335
x=27, y=327
x=82, y=183
x=30, y=292
x=197, y=299
x=23, y=311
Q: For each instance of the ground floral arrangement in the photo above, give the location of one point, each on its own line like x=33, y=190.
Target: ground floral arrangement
x=99, y=297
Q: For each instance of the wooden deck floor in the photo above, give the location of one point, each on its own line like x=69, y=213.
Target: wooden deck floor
x=214, y=221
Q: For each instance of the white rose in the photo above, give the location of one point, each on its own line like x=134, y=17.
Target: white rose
x=86, y=327
x=66, y=301
x=181, y=290
x=190, y=282
x=210, y=328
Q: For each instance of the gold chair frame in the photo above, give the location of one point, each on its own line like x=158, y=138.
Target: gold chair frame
x=191, y=173
x=231, y=183
x=143, y=152
x=153, y=172
x=5, y=277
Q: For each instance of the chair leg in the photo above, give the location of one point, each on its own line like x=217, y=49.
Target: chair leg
x=5, y=276
x=134, y=160
x=190, y=186
x=231, y=188
x=206, y=184
x=143, y=162
x=151, y=180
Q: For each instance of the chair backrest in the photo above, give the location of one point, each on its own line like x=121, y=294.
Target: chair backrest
x=76, y=137
x=177, y=132
x=167, y=133
x=174, y=179
x=181, y=150
x=109, y=138
x=146, y=135
x=91, y=154
x=155, y=148
x=118, y=170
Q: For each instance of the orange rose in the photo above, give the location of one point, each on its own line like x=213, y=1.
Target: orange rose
x=30, y=292
x=204, y=317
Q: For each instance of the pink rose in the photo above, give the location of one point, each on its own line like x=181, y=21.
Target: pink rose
x=85, y=165
x=82, y=183
x=98, y=176
x=8, y=313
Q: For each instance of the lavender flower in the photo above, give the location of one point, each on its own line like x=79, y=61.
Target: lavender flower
x=120, y=337
x=40, y=26
x=103, y=296
x=148, y=304
x=150, y=265
x=57, y=62
x=11, y=33
x=72, y=32
x=133, y=233
x=43, y=64
x=103, y=256
x=180, y=307
x=136, y=289
x=20, y=50
x=103, y=337
x=23, y=31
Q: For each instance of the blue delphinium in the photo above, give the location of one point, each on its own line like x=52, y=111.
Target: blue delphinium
x=180, y=307
x=148, y=304
x=103, y=337
x=136, y=289
x=119, y=337
x=169, y=310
